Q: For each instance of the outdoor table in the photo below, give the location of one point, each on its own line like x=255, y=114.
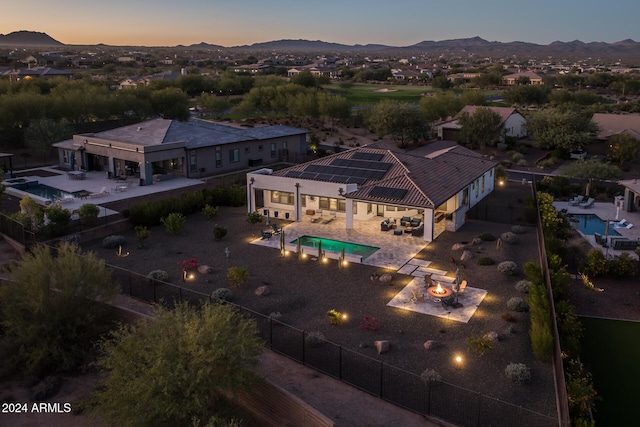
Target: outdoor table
x=76, y=175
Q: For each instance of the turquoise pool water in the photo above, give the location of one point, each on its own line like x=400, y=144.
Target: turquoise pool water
x=336, y=246
x=591, y=224
x=42, y=190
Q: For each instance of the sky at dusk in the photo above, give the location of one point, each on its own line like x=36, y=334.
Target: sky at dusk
x=393, y=23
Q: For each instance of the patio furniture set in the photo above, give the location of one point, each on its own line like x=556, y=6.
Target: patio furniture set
x=580, y=201
x=412, y=226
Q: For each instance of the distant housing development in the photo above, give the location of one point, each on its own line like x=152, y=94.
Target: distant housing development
x=160, y=149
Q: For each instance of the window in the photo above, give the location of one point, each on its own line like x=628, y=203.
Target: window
x=332, y=204
x=284, y=145
x=260, y=147
x=66, y=157
x=218, y=158
x=369, y=208
x=465, y=196
x=234, y=155
x=247, y=150
x=193, y=161
x=483, y=184
x=282, y=197
x=477, y=187
x=273, y=149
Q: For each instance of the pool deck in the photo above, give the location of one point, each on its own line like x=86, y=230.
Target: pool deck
x=606, y=211
x=96, y=184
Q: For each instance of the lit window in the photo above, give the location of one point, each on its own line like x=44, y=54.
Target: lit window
x=234, y=155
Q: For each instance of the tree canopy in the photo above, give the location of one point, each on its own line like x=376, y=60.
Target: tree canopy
x=561, y=128
x=592, y=169
x=174, y=369
x=403, y=122
x=481, y=129
x=623, y=148
x=48, y=313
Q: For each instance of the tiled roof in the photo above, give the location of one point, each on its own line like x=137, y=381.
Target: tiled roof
x=426, y=181
x=504, y=112
x=613, y=124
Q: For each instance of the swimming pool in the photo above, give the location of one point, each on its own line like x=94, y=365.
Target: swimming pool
x=591, y=224
x=42, y=190
x=336, y=246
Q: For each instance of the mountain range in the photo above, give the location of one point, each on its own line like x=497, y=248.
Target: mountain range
x=625, y=49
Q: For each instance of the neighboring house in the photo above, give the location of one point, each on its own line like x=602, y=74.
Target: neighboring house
x=37, y=72
x=405, y=74
x=512, y=122
x=254, y=68
x=365, y=183
x=512, y=79
x=192, y=149
x=614, y=124
x=631, y=200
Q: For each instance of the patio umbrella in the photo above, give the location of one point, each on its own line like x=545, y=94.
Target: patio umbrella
x=617, y=213
x=299, y=248
x=341, y=260
x=268, y=216
x=320, y=249
x=606, y=230
x=282, y=246
x=457, y=276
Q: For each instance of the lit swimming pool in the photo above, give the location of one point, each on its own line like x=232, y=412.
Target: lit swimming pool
x=336, y=246
x=591, y=224
x=42, y=190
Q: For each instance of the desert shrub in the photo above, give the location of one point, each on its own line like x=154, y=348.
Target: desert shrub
x=623, y=265
x=254, y=217
x=335, y=317
x=518, y=229
x=59, y=218
x=219, y=232
x=223, y=294
x=210, y=212
x=522, y=162
x=516, y=157
x=594, y=264
x=523, y=286
x=142, y=233
x=507, y=267
x=237, y=276
x=430, y=376
x=158, y=275
x=509, y=237
x=487, y=237
x=113, y=241
x=517, y=304
x=508, y=317
x=485, y=260
x=479, y=344
x=314, y=339
x=509, y=330
x=88, y=214
x=518, y=373
x=174, y=222
x=276, y=315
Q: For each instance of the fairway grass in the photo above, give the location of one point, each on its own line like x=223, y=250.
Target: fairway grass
x=610, y=352
x=361, y=93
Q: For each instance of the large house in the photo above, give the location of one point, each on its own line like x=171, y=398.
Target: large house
x=161, y=148
x=614, y=124
x=365, y=183
x=511, y=121
x=522, y=76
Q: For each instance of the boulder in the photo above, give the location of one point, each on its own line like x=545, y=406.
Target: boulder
x=492, y=336
x=457, y=247
x=205, y=269
x=382, y=346
x=466, y=255
x=430, y=344
x=262, y=290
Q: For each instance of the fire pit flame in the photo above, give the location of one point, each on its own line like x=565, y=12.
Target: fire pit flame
x=439, y=290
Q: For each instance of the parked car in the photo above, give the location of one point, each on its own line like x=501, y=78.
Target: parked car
x=578, y=153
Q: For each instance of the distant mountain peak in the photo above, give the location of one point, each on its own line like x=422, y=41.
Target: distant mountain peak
x=28, y=38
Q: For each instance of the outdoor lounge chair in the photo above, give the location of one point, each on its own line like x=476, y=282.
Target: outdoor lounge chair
x=576, y=201
x=101, y=193
x=619, y=224
x=317, y=217
x=276, y=230
x=332, y=216
x=266, y=235
x=588, y=203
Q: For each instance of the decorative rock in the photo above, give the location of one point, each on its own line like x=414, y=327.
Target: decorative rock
x=430, y=344
x=382, y=346
x=205, y=269
x=476, y=241
x=457, y=247
x=466, y=255
x=492, y=336
x=262, y=291
x=385, y=278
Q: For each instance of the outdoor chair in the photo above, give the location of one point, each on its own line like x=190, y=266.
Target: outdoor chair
x=619, y=224
x=276, y=230
x=416, y=296
x=449, y=301
x=266, y=235
x=332, y=216
x=588, y=203
x=404, y=221
x=576, y=200
x=317, y=217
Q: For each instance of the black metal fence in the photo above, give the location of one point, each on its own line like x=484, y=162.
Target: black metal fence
x=437, y=399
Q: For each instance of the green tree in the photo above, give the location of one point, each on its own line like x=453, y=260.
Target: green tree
x=592, y=169
x=440, y=106
x=170, y=103
x=623, y=148
x=49, y=313
x=561, y=128
x=175, y=369
x=41, y=133
x=215, y=105
x=404, y=122
x=441, y=82
x=304, y=78
x=481, y=129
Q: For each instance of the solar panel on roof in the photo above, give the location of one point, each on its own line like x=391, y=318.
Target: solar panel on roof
x=367, y=156
x=293, y=174
x=308, y=175
x=388, y=192
x=357, y=180
x=324, y=176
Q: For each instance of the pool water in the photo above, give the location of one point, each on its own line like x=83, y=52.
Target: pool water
x=590, y=224
x=336, y=246
x=42, y=190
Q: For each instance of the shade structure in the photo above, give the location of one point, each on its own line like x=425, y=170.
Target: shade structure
x=282, y=245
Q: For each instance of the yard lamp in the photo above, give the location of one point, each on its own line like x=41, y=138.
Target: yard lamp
x=458, y=361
